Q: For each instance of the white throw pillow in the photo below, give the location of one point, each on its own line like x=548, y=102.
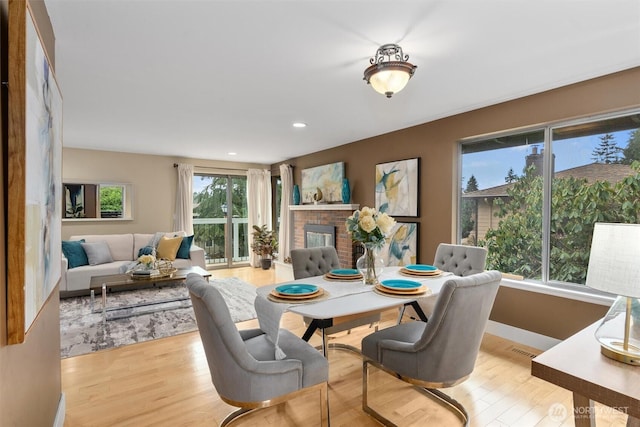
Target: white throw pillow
x=97, y=252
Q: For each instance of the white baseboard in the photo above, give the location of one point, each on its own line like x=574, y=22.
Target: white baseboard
x=522, y=336
x=59, y=420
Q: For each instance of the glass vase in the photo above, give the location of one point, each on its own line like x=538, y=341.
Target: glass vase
x=346, y=191
x=296, y=194
x=370, y=264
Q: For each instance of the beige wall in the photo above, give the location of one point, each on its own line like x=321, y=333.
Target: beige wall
x=30, y=383
x=435, y=143
x=154, y=182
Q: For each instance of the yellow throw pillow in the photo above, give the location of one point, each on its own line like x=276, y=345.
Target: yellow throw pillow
x=168, y=247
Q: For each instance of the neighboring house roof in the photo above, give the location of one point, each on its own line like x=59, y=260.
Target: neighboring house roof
x=593, y=172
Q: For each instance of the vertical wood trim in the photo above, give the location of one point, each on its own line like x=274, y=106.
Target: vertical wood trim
x=16, y=172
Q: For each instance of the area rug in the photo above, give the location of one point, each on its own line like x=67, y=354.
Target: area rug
x=82, y=331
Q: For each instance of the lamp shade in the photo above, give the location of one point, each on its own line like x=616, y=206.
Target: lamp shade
x=614, y=262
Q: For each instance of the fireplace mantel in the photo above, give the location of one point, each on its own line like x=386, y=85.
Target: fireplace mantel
x=324, y=207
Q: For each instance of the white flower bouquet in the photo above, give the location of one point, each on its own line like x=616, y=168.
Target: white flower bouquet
x=369, y=227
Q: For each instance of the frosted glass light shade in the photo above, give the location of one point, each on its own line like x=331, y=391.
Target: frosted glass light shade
x=389, y=81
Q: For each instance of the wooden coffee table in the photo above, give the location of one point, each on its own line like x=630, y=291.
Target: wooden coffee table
x=111, y=282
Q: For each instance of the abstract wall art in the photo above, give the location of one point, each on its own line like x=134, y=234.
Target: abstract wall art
x=35, y=176
x=401, y=247
x=396, y=187
x=327, y=178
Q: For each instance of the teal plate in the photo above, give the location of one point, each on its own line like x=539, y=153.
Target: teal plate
x=400, y=284
x=345, y=272
x=299, y=289
x=420, y=267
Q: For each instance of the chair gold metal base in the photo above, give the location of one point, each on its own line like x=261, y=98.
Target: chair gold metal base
x=245, y=408
x=426, y=388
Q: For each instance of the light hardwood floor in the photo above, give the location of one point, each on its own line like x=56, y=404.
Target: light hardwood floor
x=166, y=382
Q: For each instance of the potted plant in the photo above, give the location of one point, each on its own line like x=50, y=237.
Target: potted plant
x=265, y=244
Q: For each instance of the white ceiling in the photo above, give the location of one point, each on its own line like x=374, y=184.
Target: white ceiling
x=202, y=78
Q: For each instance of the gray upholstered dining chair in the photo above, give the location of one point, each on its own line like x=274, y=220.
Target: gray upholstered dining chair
x=313, y=261
x=316, y=262
x=460, y=260
x=441, y=352
x=243, y=365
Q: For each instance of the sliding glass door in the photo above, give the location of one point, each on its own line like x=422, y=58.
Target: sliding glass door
x=220, y=220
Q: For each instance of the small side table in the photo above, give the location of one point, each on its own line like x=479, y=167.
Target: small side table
x=577, y=365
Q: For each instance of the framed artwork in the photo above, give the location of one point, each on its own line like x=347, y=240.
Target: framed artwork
x=401, y=247
x=397, y=187
x=35, y=175
x=327, y=178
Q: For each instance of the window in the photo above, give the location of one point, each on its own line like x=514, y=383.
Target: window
x=277, y=186
x=532, y=198
x=111, y=199
x=220, y=218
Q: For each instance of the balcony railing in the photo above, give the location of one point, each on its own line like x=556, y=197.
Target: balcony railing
x=209, y=234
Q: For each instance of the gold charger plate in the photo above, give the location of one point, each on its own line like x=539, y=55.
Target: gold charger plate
x=422, y=290
x=411, y=273
x=400, y=290
x=319, y=296
x=343, y=278
x=280, y=295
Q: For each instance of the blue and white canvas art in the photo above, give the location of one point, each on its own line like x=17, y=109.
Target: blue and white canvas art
x=327, y=178
x=402, y=245
x=43, y=178
x=397, y=187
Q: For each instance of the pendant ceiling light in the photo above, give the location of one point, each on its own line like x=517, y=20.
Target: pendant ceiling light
x=389, y=72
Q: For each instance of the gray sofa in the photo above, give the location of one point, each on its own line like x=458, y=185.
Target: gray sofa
x=124, y=249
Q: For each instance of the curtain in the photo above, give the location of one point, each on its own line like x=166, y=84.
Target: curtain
x=284, y=234
x=183, y=218
x=258, y=203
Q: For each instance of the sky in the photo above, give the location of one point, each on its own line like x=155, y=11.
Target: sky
x=199, y=184
x=491, y=167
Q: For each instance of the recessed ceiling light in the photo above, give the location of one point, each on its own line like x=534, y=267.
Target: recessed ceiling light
x=232, y=153
x=299, y=125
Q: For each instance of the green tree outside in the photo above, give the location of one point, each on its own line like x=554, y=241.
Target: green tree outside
x=210, y=203
x=607, y=151
x=515, y=246
x=631, y=152
x=111, y=198
x=511, y=176
x=468, y=209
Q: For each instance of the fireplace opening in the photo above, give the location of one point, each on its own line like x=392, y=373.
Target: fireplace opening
x=317, y=235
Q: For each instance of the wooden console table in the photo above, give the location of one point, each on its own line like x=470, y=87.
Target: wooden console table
x=577, y=365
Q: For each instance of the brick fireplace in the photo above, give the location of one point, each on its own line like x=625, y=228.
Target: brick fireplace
x=333, y=215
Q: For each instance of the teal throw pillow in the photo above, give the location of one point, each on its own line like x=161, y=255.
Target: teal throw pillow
x=74, y=252
x=185, y=247
x=146, y=250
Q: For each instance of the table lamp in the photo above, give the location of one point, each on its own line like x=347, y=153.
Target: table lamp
x=614, y=267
